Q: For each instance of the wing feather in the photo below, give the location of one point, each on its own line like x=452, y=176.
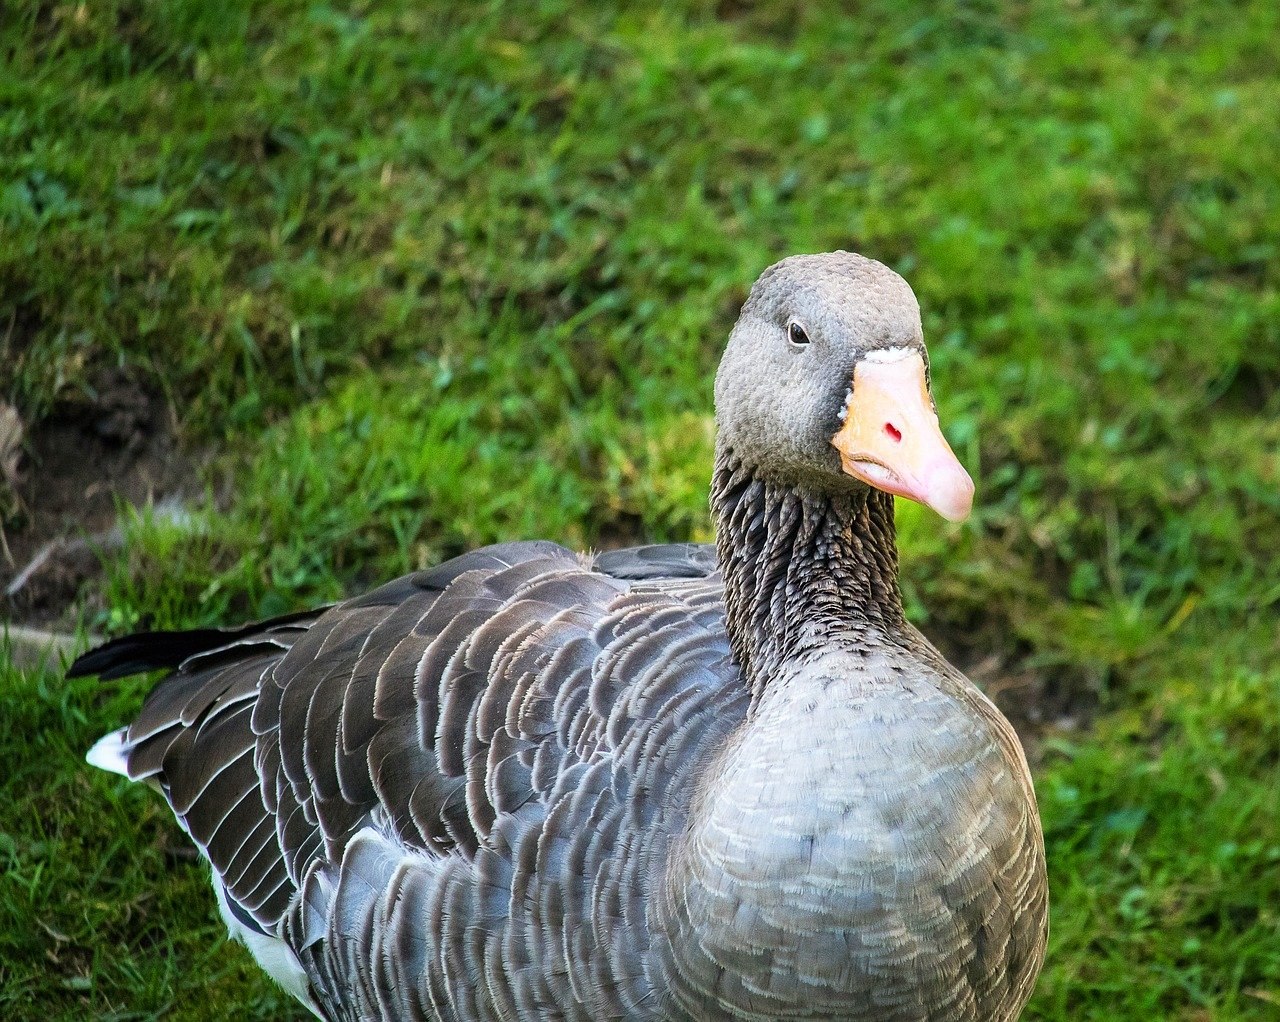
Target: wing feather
x=434, y=792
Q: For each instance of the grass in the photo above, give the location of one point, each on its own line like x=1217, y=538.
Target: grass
x=426, y=276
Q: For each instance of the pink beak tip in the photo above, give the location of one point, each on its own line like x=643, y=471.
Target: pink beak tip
x=952, y=496
x=950, y=492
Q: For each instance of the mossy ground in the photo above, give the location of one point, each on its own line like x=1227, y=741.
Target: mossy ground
x=423, y=275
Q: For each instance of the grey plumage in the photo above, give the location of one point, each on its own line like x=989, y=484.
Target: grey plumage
x=669, y=783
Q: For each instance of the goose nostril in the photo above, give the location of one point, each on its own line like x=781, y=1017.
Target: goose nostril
x=895, y=434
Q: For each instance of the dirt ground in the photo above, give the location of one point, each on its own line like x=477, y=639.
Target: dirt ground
x=62, y=484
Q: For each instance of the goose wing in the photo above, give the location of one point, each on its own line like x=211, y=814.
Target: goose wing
x=514, y=713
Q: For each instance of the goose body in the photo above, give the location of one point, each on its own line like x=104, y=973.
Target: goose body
x=671, y=783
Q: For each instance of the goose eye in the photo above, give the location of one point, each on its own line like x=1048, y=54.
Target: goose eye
x=796, y=334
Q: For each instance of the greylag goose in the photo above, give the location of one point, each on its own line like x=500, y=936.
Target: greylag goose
x=669, y=783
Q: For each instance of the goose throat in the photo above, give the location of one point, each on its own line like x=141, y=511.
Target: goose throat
x=804, y=570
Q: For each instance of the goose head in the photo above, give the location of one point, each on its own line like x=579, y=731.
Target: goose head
x=824, y=385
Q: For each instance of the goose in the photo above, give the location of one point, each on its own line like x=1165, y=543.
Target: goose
x=680, y=782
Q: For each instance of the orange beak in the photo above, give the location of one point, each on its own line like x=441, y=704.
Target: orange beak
x=891, y=438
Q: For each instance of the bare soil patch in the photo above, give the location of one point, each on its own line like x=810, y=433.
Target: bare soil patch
x=114, y=445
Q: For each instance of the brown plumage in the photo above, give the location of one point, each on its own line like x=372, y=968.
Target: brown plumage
x=669, y=783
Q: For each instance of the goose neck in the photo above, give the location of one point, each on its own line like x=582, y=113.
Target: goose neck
x=805, y=571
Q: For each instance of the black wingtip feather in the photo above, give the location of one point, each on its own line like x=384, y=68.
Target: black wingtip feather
x=144, y=651
x=155, y=651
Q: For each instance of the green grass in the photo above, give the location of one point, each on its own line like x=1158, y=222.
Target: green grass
x=425, y=276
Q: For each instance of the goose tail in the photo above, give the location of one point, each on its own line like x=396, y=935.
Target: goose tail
x=108, y=753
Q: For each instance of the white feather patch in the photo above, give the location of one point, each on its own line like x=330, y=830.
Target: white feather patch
x=273, y=955
x=108, y=753
x=848, y=404
x=889, y=354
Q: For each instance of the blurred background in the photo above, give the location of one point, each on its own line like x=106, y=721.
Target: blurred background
x=296, y=299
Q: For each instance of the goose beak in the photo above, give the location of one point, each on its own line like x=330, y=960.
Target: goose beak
x=891, y=439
